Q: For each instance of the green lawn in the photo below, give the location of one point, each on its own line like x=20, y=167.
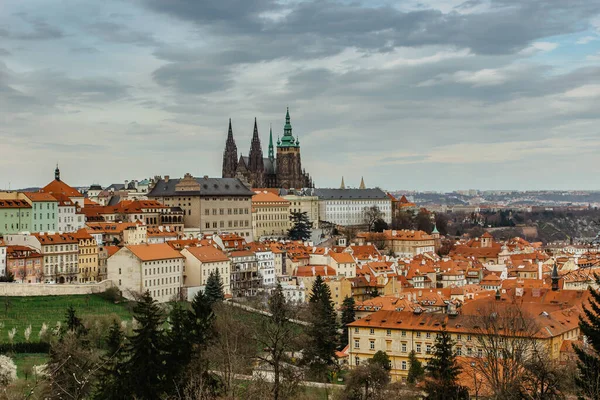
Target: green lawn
x=20, y=312
x=25, y=361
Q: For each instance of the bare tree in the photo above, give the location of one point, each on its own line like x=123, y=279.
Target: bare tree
x=505, y=337
x=370, y=215
x=233, y=349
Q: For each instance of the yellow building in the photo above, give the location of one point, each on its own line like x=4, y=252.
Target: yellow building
x=340, y=288
x=270, y=215
x=399, y=332
x=88, y=257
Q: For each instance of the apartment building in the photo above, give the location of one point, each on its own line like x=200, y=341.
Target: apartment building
x=270, y=215
x=210, y=205
x=201, y=261
x=245, y=280
x=24, y=263
x=88, y=257
x=303, y=201
x=156, y=268
x=347, y=206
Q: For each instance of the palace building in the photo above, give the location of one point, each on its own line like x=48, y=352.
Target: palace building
x=278, y=170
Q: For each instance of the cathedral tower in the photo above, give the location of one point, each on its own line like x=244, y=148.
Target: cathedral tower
x=230, y=158
x=289, y=164
x=255, y=158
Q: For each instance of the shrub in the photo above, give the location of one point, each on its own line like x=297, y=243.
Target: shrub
x=8, y=371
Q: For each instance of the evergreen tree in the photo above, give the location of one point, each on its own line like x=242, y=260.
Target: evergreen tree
x=73, y=322
x=348, y=316
x=201, y=319
x=442, y=371
x=382, y=360
x=319, y=353
x=178, y=346
x=301, y=226
x=146, y=349
x=415, y=370
x=112, y=373
x=588, y=361
x=214, y=288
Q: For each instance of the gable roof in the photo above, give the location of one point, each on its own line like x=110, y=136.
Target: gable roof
x=152, y=252
x=208, y=187
x=60, y=187
x=347, y=194
x=207, y=254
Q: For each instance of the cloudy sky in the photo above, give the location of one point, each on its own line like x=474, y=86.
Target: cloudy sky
x=425, y=95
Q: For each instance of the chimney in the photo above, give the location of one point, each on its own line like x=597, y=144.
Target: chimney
x=166, y=178
x=313, y=270
x=420, y=293
x=539, y=270
x=205, y=177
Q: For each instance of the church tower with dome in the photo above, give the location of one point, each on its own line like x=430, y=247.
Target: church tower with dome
x=282, y=169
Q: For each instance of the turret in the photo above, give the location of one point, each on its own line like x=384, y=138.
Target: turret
x=255, y=158
x=57, y=173
x=362, y=183
x=343, y=185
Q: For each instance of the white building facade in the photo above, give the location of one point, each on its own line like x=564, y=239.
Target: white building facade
x=347, y=206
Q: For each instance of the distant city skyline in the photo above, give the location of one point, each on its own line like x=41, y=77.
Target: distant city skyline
x=391, y=91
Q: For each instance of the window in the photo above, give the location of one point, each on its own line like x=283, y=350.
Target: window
x=469, y=338
x=403, y=333
x=388, y=332
x=428, y=349
x=372, y=345
x=459, y=351
x=418, y=334
x=404, y=365
x=428, y=335
x=356, y=330
x=372, y=331
x=459, y=337
x=469, y=351
x=356, y=343
x=418, y=350
x=404, y=347
x=479, y=353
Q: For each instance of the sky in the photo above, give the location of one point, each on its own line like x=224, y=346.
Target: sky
x=414, y=95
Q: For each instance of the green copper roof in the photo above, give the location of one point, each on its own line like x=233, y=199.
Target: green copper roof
x=435, y=229
x=288, y=139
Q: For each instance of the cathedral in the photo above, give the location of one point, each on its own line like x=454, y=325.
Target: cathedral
x=281, y=170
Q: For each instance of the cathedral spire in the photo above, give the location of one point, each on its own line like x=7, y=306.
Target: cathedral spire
x=57, y=173
x=255, y=158
x=343, y=185
x=288, y=139
x=230, y=158
x=362, y=183
x=271, y=152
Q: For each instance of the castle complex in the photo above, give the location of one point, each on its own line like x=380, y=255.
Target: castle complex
x=281, y=170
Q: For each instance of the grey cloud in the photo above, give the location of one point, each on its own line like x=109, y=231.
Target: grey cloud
x=314, y=28
x=4, y=52
x=120, y=33
x=84, y=50
x=39, y=30
x=196, y=77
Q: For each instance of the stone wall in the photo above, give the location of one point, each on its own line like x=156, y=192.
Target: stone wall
x=43, y=289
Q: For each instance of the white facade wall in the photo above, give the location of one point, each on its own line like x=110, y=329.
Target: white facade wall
x=2, y=260
x=351, y=211
x=266, y=267
x=68, y=219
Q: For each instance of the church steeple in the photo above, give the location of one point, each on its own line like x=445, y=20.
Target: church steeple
x=362, y=183
x=288, y=139
x=255, y=158
x=343, y=185
x=230, y=158
x=271, y=151
x=57, y=173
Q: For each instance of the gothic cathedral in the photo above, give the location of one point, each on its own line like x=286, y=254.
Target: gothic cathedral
x=281, y=171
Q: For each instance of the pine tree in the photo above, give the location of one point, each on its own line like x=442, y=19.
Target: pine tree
x=382, y=360
x=301, y=226
x=348, y=316
x=73, y=322
x=112, y=374
x=588, y=361
x=442, y=371
x=415, y=370
x=214, y=288
x=178, y=346
x=146, y=364
x=319, y=353
x=201, y=319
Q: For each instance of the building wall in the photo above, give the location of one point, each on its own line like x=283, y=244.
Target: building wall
x=44, y=216
x=307, y=204
x=196, y=272
x=271, y=219
x=88, y=261
x=2, y=259
x=124, y=269
x=15, y=220
x=351, y=211
x=10, y=289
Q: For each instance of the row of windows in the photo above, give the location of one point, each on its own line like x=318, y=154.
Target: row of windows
x=230, y=224
x=161, y=270
x=418, y=334
x=161, y=281
x=42, y=216
x=213, y=199
x=230, y=211
x=271, y=217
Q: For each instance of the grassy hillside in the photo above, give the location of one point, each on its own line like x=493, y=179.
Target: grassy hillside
x=20, y=312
